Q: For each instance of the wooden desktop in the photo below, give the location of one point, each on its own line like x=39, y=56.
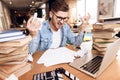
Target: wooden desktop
x=111, y=73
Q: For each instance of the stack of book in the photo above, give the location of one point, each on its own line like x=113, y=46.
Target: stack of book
x=13, y=57
x=11, y=34
x=103, y=36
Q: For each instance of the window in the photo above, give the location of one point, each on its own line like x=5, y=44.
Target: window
x=85, y=6
x=117, y=8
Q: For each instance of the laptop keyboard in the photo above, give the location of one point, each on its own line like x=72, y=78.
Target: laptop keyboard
x=93, y=65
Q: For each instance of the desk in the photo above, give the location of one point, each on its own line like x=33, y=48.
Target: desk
x=111, y=73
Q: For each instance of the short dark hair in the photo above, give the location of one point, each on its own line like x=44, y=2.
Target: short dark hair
x=59, y=5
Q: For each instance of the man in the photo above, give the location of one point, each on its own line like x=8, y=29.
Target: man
x=54, y=32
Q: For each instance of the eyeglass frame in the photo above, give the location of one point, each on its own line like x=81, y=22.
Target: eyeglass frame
x=65, y=19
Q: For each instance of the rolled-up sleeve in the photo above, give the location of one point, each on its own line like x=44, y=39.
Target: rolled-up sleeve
x=34, y=43
x=72, y=38
x=79, y=39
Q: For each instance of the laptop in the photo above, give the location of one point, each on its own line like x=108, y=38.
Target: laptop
x=93, y=64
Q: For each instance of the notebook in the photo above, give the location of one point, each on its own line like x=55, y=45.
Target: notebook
x=93, y=64
x=56, y=74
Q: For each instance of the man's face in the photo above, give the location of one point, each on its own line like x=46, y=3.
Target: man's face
x=57, y=19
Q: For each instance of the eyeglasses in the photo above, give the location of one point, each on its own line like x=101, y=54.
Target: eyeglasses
x=65, y=19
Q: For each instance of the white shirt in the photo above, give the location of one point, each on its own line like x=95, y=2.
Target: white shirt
x=56, y=39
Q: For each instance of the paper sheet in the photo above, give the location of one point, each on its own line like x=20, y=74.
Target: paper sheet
x=12, y=77
x=58, y=55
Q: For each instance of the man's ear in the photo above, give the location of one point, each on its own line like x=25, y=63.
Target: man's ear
x=50, y=14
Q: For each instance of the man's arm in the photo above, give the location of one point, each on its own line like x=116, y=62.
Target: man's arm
x=33, y=26
x=85, y=23
x=77, y=40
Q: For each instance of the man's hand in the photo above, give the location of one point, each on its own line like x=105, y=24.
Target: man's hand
x=33, y=26
x=85, y=22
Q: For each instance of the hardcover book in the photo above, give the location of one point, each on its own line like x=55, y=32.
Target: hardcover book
x=99, y=48
x=104, y=35
x=19, y=50
x=11, y=32
x=102, y=44
x=11, y=68
x=20, y=71
x=12, y=58
x=104, y=40
x=4, y=39
x=7, y=49
x=17, y=43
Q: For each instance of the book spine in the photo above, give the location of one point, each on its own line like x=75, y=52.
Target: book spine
x=12, y=38
x=2, y=35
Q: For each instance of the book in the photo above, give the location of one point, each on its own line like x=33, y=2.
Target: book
x=4, y=39
x=7, y=50
x=101, y=26
x=104, y=30
x=18, y=42
x=11, y=68
x=12, y=58
x=98, y=26
x=99, y=48
x=87, y=37
x=11, y=32
x=14, y=62
x=102, y=44
x=104, y=40
x=56, y=74
x=23, y=70
x=105, y=35
x=20, y=71
x=98, y=52
x=19, y=50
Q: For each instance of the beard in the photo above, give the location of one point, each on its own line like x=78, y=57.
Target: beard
x=56, y=25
